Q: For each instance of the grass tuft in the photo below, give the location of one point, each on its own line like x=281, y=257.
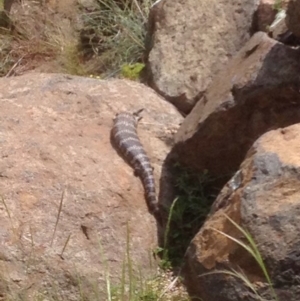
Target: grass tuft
x=252, y=249
x=107, y=40
x=278, y=5
x=114, y=34
x=186, y=215
x=135, y=286
x=38, y=37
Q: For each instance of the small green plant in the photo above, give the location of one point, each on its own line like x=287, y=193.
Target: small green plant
x=114, y=34
x=134, y=286
x=252, y=249
x=278, y=5
x=132, y=71
x=186, y=214
x=109, y=43
x=35, y=36
x=165, y=262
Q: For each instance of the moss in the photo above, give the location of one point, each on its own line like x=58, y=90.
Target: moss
x=132, y=71
x=278, y=5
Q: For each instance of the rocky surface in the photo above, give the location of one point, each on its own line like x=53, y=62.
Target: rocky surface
x=257, y=92
x=265, y=14
x=278, y=29
x=55, y=144
x=266, y=202
x=190, y=41
x=55, y=150
x=293, y=17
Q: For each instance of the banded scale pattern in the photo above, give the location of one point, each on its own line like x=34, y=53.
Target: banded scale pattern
x=126, y=140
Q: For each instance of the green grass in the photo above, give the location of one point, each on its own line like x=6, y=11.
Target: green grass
x=135, y=286
x=251, y=248
x=278, y=5
x=108, y=43
x=113, y=35
x=186, y=215
x=34, y=38
x=132, y=71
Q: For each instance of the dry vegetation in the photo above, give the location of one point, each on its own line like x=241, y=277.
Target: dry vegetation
x=33, y=40
x=69, y=37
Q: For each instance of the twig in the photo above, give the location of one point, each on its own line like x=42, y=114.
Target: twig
x=66, y=243
x=58, y=215
x=14, y=66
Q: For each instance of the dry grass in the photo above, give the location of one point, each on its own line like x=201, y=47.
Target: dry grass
x=98, y=42
x=113, y=35
x=37, y=38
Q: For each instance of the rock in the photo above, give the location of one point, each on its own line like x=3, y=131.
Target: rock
x=293, y=17
x=55, y=144
x=5, y=7
x=267, y=204
x=278, y=29
x=271, y=18
x=189, y=41
x=265, y=14
x=257, y=92
x=51, y=46
x=89, y=5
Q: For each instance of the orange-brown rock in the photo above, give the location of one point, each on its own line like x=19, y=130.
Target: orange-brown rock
x=190, y=41
x=55, y=143
x=264, y=199
x=265, y=14
x=293, y=17
x=257, y=92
